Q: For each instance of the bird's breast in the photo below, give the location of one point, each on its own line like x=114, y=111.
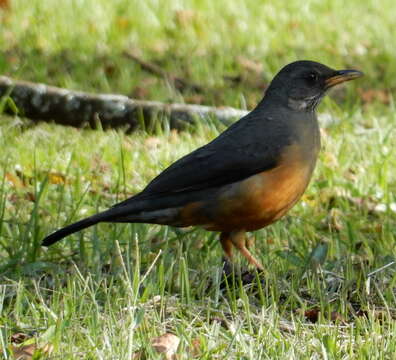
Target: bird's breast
x=265, y=197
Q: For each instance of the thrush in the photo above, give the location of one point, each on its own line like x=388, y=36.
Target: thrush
x=246, y=178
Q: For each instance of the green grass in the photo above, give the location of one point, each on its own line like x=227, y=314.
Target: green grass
x=107, y=292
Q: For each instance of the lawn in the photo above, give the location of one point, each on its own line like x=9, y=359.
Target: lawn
x=107, y=292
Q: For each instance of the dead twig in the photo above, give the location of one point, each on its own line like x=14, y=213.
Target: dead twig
x=179, y=83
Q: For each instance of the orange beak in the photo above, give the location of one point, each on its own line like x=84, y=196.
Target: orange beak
x=342, y=76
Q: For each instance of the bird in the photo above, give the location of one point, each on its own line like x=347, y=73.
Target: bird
x=245, y=179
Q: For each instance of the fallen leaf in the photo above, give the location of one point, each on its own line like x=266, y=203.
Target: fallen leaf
x=312, y=315
x=25, y=348
x=24, y=352
x=165, y=344
x=18, y=338
x=31, y=351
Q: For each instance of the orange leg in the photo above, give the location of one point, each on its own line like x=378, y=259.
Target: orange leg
x=238, y=239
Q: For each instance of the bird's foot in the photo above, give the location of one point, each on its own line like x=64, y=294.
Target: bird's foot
x=238, y=239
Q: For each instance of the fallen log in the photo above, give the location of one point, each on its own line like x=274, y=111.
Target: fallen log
x=75, y=108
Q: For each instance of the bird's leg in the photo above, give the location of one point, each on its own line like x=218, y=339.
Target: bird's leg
x=238, y=239
x=226, y=243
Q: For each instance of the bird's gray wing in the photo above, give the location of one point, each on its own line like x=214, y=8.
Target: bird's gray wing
x=242, y=150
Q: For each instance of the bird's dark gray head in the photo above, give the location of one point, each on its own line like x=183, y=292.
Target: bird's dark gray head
x=302, y=84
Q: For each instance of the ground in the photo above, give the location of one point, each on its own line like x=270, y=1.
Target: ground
x=108, y=292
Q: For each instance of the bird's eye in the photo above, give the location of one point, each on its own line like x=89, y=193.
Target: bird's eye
x=312, y=77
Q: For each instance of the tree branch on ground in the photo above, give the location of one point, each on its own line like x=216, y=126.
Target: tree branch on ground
x=75, y=108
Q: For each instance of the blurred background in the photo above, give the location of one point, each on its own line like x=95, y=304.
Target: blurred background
x=230, y=49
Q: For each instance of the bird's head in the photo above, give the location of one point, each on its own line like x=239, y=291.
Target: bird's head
x=302, y=84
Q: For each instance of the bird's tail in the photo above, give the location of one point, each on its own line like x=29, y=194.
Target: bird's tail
x=130, y=212
x=111, y=214
x=72, y=228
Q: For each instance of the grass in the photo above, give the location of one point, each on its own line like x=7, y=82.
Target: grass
x=107, y=292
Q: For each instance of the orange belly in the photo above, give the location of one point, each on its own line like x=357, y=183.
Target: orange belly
x=261, y=199
x=255, y=202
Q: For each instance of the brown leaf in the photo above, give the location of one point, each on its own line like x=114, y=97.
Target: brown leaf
x=24, y=352
x=18, y=338
x=312, y=315
x=166, y=344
